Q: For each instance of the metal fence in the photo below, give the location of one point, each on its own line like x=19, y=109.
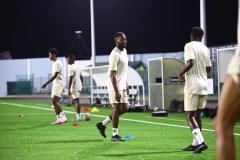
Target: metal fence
x=32, y=85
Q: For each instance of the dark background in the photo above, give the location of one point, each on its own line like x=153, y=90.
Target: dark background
x=28, y=28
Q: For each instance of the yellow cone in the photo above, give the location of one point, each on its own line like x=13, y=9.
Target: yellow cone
x=94, y=109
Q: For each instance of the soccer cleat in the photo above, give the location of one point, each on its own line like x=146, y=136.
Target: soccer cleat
x=117, y=138
x=201, y=147
x=57, y=122
x=76, y=119
x=190, y=148
x=64, y=120
x=101, y=128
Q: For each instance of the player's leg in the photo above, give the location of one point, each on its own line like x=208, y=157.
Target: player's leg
x=191, y=104
x=198, y=118
x=115, y=117
x=58, y=93
x=75, y=96
x=55, y=100
x=101, y=126
x=119, y=108
x=77, y=109
x=124, y=107
x=227, y=115
x=115, y=121
x=109, y=118
x=202, y=100
x=189, y=109
x=57, y=109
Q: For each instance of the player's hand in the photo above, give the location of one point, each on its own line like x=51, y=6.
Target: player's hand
x=181, y=79
x=117, y=96
x=44, y=86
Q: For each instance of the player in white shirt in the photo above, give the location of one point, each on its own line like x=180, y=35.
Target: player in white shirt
x=197, y=65
x=228, y=112
x=117, y=85
x=75, y=84
x=57, y=87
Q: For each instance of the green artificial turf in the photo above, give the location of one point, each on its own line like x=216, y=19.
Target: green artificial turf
x=32, y=137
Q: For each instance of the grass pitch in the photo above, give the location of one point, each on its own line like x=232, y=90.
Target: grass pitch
x=32, y=137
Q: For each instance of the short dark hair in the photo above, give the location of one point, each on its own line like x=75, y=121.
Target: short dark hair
x=118, y=34
x=197, y=32
x=71, y=57
x=53, y=51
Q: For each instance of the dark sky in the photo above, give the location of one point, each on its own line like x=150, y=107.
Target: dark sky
x=28, y=28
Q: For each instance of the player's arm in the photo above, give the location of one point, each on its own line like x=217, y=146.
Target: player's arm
x=50, y=80
x=114, y=83
x=70, y=84
x=208, y=63
x=81, y=78
x=127, y=88
x=188, y=66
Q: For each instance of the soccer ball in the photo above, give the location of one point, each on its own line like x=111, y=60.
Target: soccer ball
x=87, y=116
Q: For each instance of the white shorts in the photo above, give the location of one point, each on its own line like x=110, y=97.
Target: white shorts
x=57, y=91
x=75, y=94
x=192, y=102
x=234, y=66
x=124, y=97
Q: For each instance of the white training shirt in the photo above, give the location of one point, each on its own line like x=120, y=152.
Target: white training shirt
x=196, y=77
x=57, y=67
x=118, y=61
x=75, y=71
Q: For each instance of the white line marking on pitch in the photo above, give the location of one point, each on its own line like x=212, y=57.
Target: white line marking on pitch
x=179, y=120
x=126, y=119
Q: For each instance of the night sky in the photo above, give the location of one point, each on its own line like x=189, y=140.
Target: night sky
x=28, y=28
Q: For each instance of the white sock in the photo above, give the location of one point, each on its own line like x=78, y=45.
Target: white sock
x=106, y=121
x=58, y=117
x=195, y=142
x=114, y=131
x=62, y=115
x=198, y=135
x=78, y=116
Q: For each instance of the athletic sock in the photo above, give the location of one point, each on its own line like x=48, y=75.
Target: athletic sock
x=106, y=121
x=58, y=117
x=114, y=131
x=78, y=116
x=195, y=142
x=62, y=115
x=198, y=135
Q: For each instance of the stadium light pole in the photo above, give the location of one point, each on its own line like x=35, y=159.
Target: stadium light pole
x=93, y=58
x=203, y=20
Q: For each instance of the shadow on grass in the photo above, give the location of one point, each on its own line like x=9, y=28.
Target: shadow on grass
x=140, y=153
x=67, y=141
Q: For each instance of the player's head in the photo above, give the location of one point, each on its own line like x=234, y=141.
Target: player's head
x=120, y=40
x=196, y=34
x=53, y=52
x=71, y=59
